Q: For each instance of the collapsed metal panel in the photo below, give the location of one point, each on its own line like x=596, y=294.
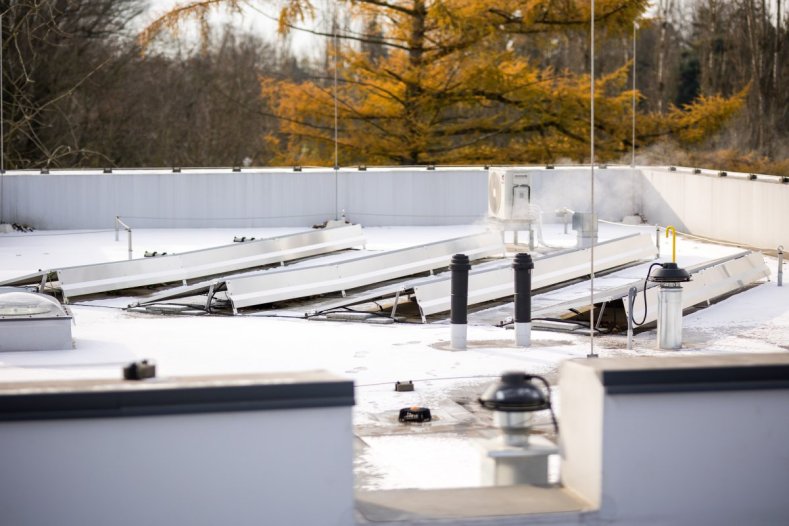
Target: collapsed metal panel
x=496, y=282
x=103, y=277
x=285, y=284
x=715, y=280
x=615, y=286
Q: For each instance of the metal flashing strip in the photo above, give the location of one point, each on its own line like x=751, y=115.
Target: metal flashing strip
x=172, y=396
x=286, y=284
x=696, y=379
x=496, y=282
x=713, y=280
x=103, y=277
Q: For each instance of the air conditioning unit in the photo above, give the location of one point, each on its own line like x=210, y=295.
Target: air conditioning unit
x=509, y=194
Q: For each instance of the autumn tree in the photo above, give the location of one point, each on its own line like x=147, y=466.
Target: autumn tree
x=456, y=81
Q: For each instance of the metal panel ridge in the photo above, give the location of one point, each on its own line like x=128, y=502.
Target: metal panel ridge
x=285, y=284
x=103, y=277
x=496, y=283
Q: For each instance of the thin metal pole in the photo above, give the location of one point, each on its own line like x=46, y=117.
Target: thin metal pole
x=336, y=128
x=633, y=160
x=592, y=353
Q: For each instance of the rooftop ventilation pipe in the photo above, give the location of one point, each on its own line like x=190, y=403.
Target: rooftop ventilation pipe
x=516, y=457
x=459, y=306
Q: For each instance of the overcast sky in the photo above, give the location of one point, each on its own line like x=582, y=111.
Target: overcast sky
x=259, y=21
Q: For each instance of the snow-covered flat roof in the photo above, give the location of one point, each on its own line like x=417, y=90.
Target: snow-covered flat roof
x=442, y=454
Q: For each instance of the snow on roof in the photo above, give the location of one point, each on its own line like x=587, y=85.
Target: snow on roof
x=442, y=454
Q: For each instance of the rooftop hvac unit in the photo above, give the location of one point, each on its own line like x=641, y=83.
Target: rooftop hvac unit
x=509, y=194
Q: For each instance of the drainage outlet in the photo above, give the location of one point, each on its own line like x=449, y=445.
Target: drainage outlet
x=414, y=414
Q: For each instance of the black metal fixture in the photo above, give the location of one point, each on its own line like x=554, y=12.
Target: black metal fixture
x=414, y=414
x=669, y=273
x=722, y=174
x=236, y=168
x=297, y=168
x=513, y=400
x=752, y=177
x=402, y=387
x=522, y=266
x=697, y=170
x=785, y=180
x=139, y=370
x=550, y=167
x=459, y=268
x=672, y=168
x=362, y=168
x=431, y=166
x=45, y=171
x=108, y=170
x=176, y=169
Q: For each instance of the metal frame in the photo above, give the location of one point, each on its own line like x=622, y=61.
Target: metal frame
x=104, y=277
x=708, y=282
x=710, y=279
x=286, y=284
x=496, y=282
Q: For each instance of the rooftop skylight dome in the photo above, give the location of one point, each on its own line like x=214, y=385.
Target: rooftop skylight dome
x=32, y=322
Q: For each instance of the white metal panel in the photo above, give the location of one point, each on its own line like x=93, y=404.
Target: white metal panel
x=278, y=285
x=497, y=282
x=35, y=334
x=709, y=283
x=102, y=277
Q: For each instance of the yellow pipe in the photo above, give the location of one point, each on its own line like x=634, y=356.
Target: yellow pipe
x=673, y=243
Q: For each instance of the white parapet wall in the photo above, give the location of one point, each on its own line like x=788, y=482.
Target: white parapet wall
x=199, y=198
x=678, y=440
x=738, y=208
x=241, y=450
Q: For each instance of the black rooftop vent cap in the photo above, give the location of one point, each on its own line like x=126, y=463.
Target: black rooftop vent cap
x=297, y=168
x=697, y=170
x=550, y=167
x=672, y=168
x=45, y=171
x=414, y=414
x=176, y=169
x=362, y=168
x=785, y=180
x=752, y=177
x=669, y=273
x=722, y=174
x=515, y=392
x=402, y=387
x=108, y=170
x=139, y=370
x=431, y=166
x=236, y=168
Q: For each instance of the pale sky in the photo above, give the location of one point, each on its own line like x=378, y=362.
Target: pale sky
x=258, y=22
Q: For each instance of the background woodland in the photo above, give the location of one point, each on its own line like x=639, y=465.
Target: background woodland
x=417, y=82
